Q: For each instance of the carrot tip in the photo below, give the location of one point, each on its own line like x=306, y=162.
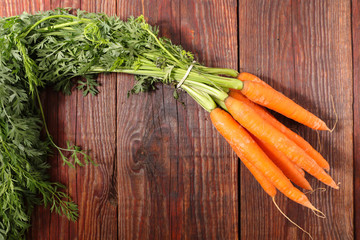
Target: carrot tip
x=333, y=185
x=337, y=186
x=309, y=205
x=307, y=186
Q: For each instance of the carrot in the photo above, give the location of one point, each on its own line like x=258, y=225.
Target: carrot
x=261, y=93
x=244, y=76
x=263, y=130
x=246, y=147
x=290, y=134
x=300, y=170
x=262, y=180
x=284, y=163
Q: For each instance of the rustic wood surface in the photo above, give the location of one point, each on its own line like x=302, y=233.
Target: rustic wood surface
x=164, y=172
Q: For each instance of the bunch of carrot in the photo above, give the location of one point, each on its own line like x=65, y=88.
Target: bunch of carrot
x=53, y=47
x=274, y=154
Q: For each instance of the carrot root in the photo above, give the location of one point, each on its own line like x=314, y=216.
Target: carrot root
x=336, y=115
x=278, y=208
x=315, y=190
x=318, y=213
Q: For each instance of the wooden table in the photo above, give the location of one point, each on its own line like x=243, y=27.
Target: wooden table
x=164, y=172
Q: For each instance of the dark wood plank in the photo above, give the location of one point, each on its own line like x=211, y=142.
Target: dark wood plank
x=303, y=48
x=208, y=169
x=356, y=76
x=65, y=130
x=147, y=140
x=15, y=7
x=61, y=118
x=42, y=219
x=60, y=227
x=75, y=4
x=323, y=70
x=95, y=130
x=202, y=189
x=265, y=50
x=96, y=195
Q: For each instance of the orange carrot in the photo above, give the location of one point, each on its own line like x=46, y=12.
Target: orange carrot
x=263, y=130
x=260, y=92
x=290, y=134
x=286, y=166
x=299, y=169
x=246, y=147
x=262, y=180
x=244, y=76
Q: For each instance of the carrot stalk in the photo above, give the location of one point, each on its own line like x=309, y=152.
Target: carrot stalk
x=290, y=134
x=246, y=147
x=261, y=93
x=255, y=124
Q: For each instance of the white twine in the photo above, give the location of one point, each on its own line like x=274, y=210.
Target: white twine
x=185, y=76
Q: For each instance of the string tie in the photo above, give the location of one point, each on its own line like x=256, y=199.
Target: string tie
x=186, y=75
